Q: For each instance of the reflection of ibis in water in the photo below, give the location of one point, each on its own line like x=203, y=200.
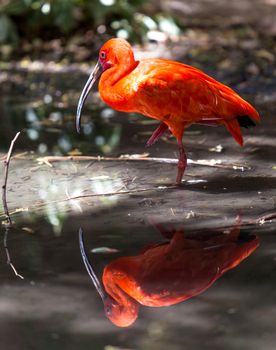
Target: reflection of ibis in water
x=167, y=273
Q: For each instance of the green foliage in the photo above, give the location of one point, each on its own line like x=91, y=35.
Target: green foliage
x=54, y=18
x=7, y=30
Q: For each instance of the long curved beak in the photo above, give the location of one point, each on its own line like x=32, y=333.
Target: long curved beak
x=96, y=73
x=89, y=268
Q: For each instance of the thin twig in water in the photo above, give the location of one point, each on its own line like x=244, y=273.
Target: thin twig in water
x=93, y=195
x=22, y=155
x=267, y=217
x=5, y=205
x=9, y=262
x=107, y=194
x=141, y=157
x=4, y=186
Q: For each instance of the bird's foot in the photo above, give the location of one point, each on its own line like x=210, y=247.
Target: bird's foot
x=162, y=128
x=180, y=173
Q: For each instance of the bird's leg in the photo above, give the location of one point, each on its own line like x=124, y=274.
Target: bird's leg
x=182, y=161
x=166, y=232
x=157, y=134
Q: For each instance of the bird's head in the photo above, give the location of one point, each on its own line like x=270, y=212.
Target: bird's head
x=114, y=52
x=121, y=314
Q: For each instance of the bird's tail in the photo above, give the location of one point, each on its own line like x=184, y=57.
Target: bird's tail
x=246, y=115
x=239, y=252
x=244, y=121
x=249, y=112
x=233, y=127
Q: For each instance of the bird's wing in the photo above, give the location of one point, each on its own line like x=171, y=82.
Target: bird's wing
x=170, y=89
x=180, y=95
x=164, y=87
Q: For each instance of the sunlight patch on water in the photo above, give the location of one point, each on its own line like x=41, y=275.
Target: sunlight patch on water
x=59, y=193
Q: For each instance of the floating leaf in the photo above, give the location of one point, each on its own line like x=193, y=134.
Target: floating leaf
x=104, y=250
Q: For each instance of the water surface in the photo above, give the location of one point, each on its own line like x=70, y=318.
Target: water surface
x=116, y=202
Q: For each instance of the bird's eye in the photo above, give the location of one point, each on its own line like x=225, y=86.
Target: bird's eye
x=102, y=55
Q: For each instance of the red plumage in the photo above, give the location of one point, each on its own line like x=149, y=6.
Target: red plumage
x=176, y=94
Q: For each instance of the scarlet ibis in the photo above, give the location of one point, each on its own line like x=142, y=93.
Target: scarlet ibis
x=166, y=274
x=175, y=93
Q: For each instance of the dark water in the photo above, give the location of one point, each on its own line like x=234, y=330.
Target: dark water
x=56, y=306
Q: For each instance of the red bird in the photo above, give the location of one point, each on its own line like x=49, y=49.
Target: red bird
x=176, y=94
x=168, y=273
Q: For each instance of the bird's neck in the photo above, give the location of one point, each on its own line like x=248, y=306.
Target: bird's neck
x=128, y=306
x=121, y=297
x=110, y=90
x=112, y=75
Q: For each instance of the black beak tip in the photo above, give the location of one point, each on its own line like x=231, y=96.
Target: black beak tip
x=78, y=124
x=80, y=234
x=78, y=128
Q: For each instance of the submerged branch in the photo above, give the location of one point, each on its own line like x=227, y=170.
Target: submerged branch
x=9, y=262
x=22, y=155
x=141, y=157
x=5, y=206
x=266, y=217
x=6, y=174
x=93, y=195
